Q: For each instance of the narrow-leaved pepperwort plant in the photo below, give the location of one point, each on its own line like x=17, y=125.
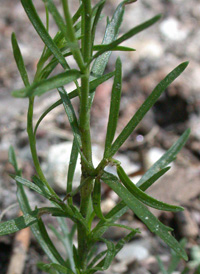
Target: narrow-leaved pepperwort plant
x=76, y=38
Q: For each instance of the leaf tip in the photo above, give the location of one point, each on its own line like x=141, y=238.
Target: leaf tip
x=158, y=16
x=184, y=65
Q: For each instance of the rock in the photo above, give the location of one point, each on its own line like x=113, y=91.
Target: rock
x=153, y=155
x=136, y=250
x=149, y=48
x=119, y=267
x=58, y=159
x=173, y=30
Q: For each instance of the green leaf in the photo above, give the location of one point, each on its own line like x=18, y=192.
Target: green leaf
x=71, y=168
x=71, y=115
x=76, y=257
x=58, y=267
x=149, y=102
x=41, y=190
x=114, y=215
x=73, y=94
x=98, y=11
x=78, y=13
x=42, y=32
x=54, y=211
x=121, y=207
x=60, y=41
x=42, y=237
x=144, y=214
x=12, y=159
x=67, y=240
x=48, y=84
x=96, y=259
x=149, y=182
x=38, y=231
x=114, y=106
x=68, y=32
x=142, y=196
x=161, y=266
x=96, y=199
x=19, y=223
x=117, y=48
x=111, y=33
x=95, y=234
x=110, y=254
x=73, y=122
x=19, y=60
x=124, y=240
x=166, y=159
x=128, y=35
x=106, y=262
x=175, y=259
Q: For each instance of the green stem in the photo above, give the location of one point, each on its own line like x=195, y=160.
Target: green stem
x=84, y=123
x=72, y=37
x=32, y=143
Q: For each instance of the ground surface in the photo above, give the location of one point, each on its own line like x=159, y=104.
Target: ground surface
x=174, y=39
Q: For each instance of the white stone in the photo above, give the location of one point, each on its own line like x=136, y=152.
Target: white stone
x=149, y=49
x=153, y=155
x=173, y=30
x=58, y=159
x=133, y=251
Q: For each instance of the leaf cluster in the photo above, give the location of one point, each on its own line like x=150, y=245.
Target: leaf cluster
x=76, y=37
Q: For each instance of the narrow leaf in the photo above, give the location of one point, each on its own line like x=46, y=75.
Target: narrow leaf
x=42, y=32
x=73, y=122
x=96, y=18
x=111, y=33
x=149, y=102
x=67, y=240
x=114, y=106
x=142, y=196
x=96, y=199
x=124, y=240
x=71, y=168
x=146, y=184
x=71, y=114
x=77, y=15
x=58, y=267
x=39, y=88
x=128, y=35
x=73, y=94
x=106, y=262
x=12, y=159
x=43, y=192
x=161, y=266
x=19, y=60
x=68, y=32
x=144, y=214
x=110, y=254
x=42, y=237
x=96, y=259
x=117, y=48
x=166, y=159
x=121, y=208
x=175, y=259
x=112, y=30
x=19, y=223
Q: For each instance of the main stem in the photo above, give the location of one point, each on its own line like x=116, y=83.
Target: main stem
x=85, y=131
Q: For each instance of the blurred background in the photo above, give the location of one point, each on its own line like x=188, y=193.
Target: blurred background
x=174, y=39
